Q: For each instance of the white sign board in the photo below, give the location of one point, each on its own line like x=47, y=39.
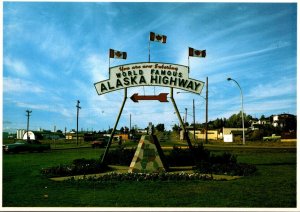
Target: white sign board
x=228, y=138
x=149, y=74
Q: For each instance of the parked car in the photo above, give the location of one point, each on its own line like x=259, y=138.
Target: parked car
x=23, y=146
x=100, y=142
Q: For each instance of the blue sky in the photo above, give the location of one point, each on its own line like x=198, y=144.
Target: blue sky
x=53, y=53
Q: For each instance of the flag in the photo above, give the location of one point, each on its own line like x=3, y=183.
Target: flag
x=197, y=53
x=117, y=54
x=158, y=37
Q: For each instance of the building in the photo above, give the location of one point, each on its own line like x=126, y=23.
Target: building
x=211, y=134
x=20, y=133
x=232, y=134
x=201, y=135
x=287, y=121
x=31, y=136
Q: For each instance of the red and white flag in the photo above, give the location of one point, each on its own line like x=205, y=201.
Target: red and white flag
x=117, y=54
x=197, y=53
x=158, y=37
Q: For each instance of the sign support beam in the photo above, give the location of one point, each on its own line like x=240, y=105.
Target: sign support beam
x=186, y=135
x=114, y=129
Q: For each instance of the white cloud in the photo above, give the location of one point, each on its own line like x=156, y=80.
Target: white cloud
x=96, y=67
x=272, y=47
x=20, y=86
x=283, y=88
x=16, y=66
x=269, y=107
x=65, y=112
x=54, y=42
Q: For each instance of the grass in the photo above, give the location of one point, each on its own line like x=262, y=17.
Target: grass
x=274, y=184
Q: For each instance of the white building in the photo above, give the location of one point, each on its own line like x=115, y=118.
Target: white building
x=30, y=134
x=20, y=133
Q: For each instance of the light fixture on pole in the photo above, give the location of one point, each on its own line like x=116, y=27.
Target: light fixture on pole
x=230, y=79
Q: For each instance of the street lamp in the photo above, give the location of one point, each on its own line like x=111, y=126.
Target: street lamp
x=230, y=79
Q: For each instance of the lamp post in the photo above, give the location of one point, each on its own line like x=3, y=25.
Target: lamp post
x=230, y=79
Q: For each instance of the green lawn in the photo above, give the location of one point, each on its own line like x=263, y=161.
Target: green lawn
x=274, y=184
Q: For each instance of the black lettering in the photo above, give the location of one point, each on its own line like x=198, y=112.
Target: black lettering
x=163, y=72
x=190, y=85
x=169, y=73
x=110, y=87
x=119, y=83
x=118, y=75
x=153, y=79
x=126, y=81
x=182, y=82
x=133, y=80
x=103, y=88
x=180, y=74
x=142, y=80
x=165, y=80
x=173, y=81
x=141, y=72
x=197, y=85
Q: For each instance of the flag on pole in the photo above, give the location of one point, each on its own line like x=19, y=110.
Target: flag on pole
x=117, y=54
x=196, y=53
x=158, y=37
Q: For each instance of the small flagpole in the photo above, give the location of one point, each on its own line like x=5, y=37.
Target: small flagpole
x=149, y=52
x=189, y=62
x=108, y=59
x=148, y=60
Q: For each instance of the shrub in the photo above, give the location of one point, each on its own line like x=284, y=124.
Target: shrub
x=120, y=156
x=77, y=167
x=208, y=163
x=184, y=157
x=224, y=164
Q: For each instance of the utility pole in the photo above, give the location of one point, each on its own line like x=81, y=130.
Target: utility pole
x=206, y=111
x=185, y=116
x=77, y=120
x=130, y=125
x=185, y=124
x=28, y=115
x=194, y=120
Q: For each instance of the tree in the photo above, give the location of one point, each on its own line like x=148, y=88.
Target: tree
x=160, y=127
x=175, y=128
x=235, y=121
x=218, y=124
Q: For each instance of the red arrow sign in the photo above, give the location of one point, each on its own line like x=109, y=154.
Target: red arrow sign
x=162, y=97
